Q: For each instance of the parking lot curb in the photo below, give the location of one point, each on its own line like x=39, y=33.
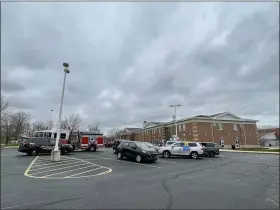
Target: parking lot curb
x=253, y=152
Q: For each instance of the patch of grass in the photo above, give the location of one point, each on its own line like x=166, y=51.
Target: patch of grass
x=259, y=149
x=15, y=144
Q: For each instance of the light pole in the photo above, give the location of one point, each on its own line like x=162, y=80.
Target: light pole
x=175, y=106
x=55, y=156
x=51, y=118
x=211, y=121
x=245, y=138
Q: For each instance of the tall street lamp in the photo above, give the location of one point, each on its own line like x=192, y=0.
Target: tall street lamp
x=55, y=155
x=212, y=130
x=175, y=116
x=51, y=118
x=244, y=133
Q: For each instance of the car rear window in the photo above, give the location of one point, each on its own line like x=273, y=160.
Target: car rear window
x=209, y=145
x=192, y=144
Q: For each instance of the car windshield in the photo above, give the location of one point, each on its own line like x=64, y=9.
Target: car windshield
x=141, y=144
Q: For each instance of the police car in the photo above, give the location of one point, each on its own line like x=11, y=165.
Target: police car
x=189, y=149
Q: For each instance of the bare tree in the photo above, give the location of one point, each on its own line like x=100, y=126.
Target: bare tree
x=6, y=127
x=28, y=129
x=112, y=133
x=64, y=123
x=74, y=121
x=71, y=122
x=4, y=104
x=39, y=125
x=20, y=121
x=94, y=127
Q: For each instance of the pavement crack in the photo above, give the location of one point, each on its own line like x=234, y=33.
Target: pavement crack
x=165, y=181
x=53, y=202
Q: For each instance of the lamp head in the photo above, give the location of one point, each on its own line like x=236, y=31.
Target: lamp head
x=66, y=65
x=66, y=70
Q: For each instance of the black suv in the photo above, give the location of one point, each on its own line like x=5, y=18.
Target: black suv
x=36, y=145
x=210, y=149
x=136, y=150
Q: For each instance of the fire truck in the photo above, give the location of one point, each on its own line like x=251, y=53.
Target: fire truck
x=86, y=140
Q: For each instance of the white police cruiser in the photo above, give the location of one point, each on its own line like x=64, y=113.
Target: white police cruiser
x=190, y=149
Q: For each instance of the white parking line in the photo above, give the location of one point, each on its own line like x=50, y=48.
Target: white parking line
x=78, y=162
x=51, y=163
x=68, y=171
x=63, y=168
x=83, y=172
x=47, y=167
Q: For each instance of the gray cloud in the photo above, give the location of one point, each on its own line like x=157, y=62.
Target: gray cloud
x=10, y=86
x=129, y=61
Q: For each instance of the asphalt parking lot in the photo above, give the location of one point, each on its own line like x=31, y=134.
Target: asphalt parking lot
x=86, y=180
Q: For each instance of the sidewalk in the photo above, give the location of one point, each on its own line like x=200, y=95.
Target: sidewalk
x=241, y=151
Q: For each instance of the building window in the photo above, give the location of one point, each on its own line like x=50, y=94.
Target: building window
x=179, y=127
x=235, y=127
x=184, y=127
x=220, y=126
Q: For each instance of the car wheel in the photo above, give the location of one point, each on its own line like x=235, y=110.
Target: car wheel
x=166, y=154
x=138, y=158
x=92, y=149
x=194, y=155
x=211, y=154
x=120, y=156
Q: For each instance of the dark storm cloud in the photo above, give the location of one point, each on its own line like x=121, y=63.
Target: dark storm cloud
x=129, y=61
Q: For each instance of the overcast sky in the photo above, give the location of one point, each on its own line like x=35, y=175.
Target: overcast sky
x=129, y=61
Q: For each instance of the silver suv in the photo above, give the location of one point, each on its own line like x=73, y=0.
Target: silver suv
x=190, y=149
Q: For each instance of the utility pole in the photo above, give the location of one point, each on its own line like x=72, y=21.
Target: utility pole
x=175, y=116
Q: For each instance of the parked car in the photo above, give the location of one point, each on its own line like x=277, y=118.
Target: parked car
x=191, y=149
x=136, y=150
x=210, y=149
x=36, y=145
x=152, y=146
